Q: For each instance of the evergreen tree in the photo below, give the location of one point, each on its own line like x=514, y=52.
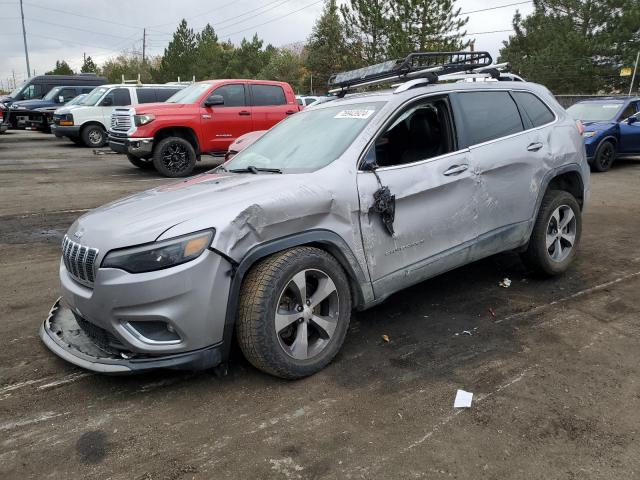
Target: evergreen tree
x=575, y=46
x=248, y=59
x=61, y=68
x=285, y=66
x=130, y=66
x=328, y=49
x=367, y=28
x=89, y=66
x=425, y=25
x=208, y=55
x=179, y=57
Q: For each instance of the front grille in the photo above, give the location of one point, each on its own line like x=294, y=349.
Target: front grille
x=120, y=121
x=79, y=260
x=103, y=339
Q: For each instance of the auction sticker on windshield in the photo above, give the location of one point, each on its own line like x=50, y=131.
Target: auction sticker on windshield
x=361, y=114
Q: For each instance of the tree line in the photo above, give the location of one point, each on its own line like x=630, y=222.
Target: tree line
x=571, y=46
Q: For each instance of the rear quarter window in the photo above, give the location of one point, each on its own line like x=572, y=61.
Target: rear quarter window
x=163, y=94
x=534, y=109
x=146, y=95
x=267, y=95
x=488, y=116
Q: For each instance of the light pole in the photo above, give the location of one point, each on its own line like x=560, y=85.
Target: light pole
x=24, y=37
x=635, y=70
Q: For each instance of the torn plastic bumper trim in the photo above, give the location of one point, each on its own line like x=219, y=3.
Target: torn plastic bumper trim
x=63, y=336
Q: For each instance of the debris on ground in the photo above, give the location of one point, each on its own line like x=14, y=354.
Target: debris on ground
x=492, y=312
x=105, y=151
x=386, y=338
x=463, y=399
x=505, y=283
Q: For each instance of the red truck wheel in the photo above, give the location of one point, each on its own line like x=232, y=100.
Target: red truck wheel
x=174, y=157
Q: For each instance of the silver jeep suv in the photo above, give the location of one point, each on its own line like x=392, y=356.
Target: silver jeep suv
x=332, y=210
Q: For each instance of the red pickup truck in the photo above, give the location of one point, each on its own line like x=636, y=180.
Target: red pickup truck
x=204, y=118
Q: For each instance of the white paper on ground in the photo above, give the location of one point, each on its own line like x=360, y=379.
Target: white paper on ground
x=463, y=399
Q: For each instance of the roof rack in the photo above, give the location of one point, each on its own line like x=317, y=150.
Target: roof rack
x=424, y=65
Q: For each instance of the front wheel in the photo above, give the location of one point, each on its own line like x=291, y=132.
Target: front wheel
x=174, y=157
x=605, y=155
x=143, y=163
x=556, y=234
x=94, y=136
x=294, y=312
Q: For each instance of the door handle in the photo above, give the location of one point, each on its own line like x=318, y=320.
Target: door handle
x=289, y=112
x=244, y=113
x=456, y=170
x=534, y=147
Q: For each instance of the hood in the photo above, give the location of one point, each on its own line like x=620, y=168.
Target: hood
x=204, y=201
x=599, y=126
x=5, y=98
x=162, y=108
x=33, y=104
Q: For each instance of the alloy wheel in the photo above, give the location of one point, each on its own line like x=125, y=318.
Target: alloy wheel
x=175, y=157
x=561, y=233
x=607, y=156
x=307, y=314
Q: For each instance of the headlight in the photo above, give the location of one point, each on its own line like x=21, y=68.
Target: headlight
x=159, y=255
x=143, y=119
x=66, y=120
x=589, y=134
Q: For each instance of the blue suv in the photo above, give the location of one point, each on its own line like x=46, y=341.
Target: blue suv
x=612, y=129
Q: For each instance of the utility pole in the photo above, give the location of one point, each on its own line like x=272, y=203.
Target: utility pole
x=144, y=44
x=635, y=70
x=13, y=72
x=24, y=37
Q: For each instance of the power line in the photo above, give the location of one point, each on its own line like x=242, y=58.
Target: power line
x=495, y=8
x=75, y=28
x=137, y=27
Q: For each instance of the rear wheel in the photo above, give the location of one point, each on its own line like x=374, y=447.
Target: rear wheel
x=605, y=155
x=174, y=157
x=556, y=234
x=294, y=312
x=94, y=136
x=143, y=163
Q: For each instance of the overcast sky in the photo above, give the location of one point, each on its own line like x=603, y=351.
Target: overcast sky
x=101, y=28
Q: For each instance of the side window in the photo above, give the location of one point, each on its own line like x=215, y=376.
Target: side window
x=163, y=94
x=631, y=110
x=67, y=93
x=421, y=132
x=310, y=101
x=267, y=95
x=86, y=90
x=29, y=92
x=121, y=97
x=489, y=115
x=146, y=95
x=233, y=95
x=534, y=109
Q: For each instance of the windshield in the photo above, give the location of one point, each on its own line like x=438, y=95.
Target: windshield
x=77, y=100
x=16, y=90
x=189, y=94
x=52, y=94
x=92, y=98
x=309, y=140
x=594, y=112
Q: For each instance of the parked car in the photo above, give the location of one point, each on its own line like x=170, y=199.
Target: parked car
x=87, y=124
x=203, y=118
x=242, y=142
x=612, y=129
x=45, y=121
x=3, y=125
x=24, y=113
x=308, y=100
x=39, y=86
x=333, y=209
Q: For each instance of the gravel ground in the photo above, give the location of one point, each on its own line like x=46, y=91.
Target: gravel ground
x=554, y=373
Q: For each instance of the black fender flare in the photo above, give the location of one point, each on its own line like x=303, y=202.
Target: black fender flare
x=608, y=138
x=325, y=239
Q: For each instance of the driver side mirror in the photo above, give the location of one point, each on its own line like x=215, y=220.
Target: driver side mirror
x=107, y=102
x=632, y=120
x=213, y=100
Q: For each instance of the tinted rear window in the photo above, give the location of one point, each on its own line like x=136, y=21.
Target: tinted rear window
x=163, y=94
x=146, y=95
x=121, y=97
x=534, y=108
x=264, y=95
x=489, y=115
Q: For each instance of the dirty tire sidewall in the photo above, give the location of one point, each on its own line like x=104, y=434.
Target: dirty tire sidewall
x=259, y=295
x=601, y=163
x=162, y=149
x=536, y=256
x=143, y=163
x=94, y=136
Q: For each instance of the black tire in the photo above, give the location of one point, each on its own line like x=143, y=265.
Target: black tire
x=539, y=257
x=605, y=156
x=143, y=163
x=174, y=157
x=261, y=293
x=94, y=136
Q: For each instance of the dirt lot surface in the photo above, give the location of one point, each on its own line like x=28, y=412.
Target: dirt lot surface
x=555, y=374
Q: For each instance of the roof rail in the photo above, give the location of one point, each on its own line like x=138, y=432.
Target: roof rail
x=424, y=65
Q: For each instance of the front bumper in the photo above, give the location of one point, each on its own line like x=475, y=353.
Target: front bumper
x=64, y=131
x=138, y=147
x=62, y=334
